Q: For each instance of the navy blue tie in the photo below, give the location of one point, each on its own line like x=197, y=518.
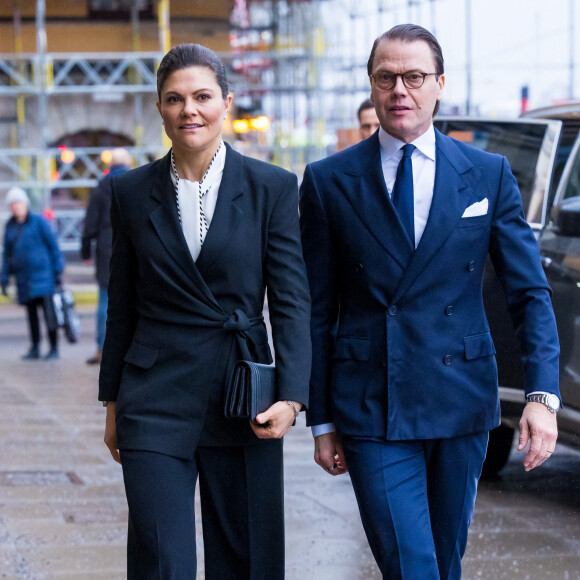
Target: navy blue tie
x=403, y=192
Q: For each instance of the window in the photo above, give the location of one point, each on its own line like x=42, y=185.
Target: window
x=119, y=9
x=529, y=148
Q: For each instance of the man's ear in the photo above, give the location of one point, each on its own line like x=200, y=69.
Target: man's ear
x=441, y=83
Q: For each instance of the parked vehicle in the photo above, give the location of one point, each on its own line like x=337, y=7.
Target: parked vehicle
x=543, y=149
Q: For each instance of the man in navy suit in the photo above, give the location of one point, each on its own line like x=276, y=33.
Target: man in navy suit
x=396, y=232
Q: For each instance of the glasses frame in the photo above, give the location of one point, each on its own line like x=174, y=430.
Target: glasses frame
x=402, y=75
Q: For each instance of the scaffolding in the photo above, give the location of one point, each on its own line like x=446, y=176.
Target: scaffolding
x=44, y=168
x=288, y=61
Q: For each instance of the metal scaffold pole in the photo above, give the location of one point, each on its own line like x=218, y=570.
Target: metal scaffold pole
x=165, y=47
x=164, y=30
x=572, y=49
x=137, y=78
x=41, y=80
x=468, y=56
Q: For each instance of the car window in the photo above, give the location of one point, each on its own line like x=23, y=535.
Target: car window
x=571, y=178
x=529, y=146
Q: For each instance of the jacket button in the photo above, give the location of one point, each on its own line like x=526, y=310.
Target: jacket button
x=471, y=266
x=384, y=362
x=449, y=311
x=447, y=359
x=392, y=310
x=358, y=268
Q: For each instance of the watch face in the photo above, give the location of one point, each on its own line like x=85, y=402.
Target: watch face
x=553, y=401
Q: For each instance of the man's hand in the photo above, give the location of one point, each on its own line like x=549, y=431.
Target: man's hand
x=111, y=431
x=276, y=421
x=538, y=427
x=329, y=455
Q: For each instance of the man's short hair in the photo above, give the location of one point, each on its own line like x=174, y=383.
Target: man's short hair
x=366, y=104
x=411, y=33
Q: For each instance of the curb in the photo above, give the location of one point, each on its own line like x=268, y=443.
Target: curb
x=85, y=298
x=81, y=298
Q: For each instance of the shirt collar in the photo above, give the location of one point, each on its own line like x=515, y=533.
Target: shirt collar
x=214, y=172
x=216, y=169
x=390, y=146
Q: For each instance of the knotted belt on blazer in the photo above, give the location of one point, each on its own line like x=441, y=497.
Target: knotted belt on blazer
x=239, y=323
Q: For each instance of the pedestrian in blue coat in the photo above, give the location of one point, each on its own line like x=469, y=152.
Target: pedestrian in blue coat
x=32, y=255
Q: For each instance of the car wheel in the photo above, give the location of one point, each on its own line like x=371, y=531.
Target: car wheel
x=498, y=450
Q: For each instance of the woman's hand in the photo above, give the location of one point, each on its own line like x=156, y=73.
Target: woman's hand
x=111, y=431
x=276, y=421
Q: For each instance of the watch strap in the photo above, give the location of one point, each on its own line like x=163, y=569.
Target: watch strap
x=545, y=399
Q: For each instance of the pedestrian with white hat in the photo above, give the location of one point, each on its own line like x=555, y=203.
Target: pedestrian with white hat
x=32, y=256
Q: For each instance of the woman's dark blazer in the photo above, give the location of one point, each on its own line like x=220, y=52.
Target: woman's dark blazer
x=175, y=327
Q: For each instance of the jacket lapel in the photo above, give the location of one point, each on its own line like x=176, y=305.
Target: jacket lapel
x=363, y=184
x=165, y=220
x=452, y=193
x=228, y=213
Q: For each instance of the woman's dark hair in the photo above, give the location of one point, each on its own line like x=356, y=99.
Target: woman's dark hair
x=411, y=33
x=186, y=55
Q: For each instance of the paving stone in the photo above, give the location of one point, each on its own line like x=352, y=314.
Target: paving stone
x=10, y=396
x=528, y=567
x=54, y=561
x=39, y=478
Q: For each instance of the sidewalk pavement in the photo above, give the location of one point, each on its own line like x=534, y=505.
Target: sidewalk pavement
x=63, y=513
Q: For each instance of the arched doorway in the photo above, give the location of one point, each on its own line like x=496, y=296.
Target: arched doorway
x=77, y=197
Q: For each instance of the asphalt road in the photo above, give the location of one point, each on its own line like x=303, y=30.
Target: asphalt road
x=63, y=512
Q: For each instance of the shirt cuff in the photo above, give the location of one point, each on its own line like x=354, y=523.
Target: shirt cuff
x=539, y=393
x=322, y=429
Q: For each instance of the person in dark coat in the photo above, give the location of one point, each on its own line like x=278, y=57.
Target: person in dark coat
x=98, y=227
x=200, y=237
x=32, y=255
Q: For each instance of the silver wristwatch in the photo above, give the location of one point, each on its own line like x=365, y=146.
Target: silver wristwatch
x=551, y=401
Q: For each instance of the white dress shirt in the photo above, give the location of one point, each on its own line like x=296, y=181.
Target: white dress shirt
x=188, y=196
x=423, y=159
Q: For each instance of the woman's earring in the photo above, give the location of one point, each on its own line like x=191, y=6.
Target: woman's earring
x=225, y=116
x=163, y=122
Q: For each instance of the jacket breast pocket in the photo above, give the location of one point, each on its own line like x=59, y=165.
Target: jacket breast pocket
x=141, y=355
x=478, y=346
x=352, y=348
x=474, y=222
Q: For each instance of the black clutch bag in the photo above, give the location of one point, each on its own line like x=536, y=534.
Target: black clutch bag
x=251, y=390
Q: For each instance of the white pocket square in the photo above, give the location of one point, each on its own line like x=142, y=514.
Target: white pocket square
x=475, y=209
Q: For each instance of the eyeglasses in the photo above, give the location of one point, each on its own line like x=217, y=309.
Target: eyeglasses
x=412, y=79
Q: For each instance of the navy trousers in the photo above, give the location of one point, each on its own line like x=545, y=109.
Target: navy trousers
x=416, y=500
x=241, y=493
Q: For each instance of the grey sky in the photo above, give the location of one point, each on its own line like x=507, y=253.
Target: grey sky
x=514, y=43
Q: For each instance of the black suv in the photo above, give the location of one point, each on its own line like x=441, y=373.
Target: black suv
x=543, y=149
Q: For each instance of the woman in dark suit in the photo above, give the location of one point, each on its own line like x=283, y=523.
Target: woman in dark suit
x=199, y=237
